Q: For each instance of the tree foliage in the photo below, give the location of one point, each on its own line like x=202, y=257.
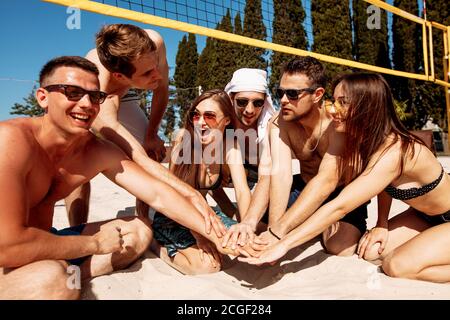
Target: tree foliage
x=29, y=108
x=207, y=62
x=287, y=30
x=423, y=99
x=434, y=95
x=169, y=122
x=370, y=44
x=185, y=76
x=226, y=57
x=406, y=52
x=253, y=57
x=238, y=49
x=332, y=31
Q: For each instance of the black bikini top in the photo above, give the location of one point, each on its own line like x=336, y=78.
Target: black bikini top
x=411, y=193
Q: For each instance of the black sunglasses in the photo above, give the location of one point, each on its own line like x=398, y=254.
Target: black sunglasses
x=243, y=102
x=292, y=94
x=75, y=93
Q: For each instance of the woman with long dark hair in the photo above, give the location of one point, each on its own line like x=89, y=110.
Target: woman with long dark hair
x=382, y=158
x=204, y=155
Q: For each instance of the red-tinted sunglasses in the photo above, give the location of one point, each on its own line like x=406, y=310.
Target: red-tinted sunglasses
x=208, y=116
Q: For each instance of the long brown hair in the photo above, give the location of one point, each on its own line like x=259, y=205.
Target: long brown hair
x=186, y=170
x=371, y=118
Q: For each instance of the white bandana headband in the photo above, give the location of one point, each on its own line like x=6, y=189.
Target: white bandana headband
x=247, y=79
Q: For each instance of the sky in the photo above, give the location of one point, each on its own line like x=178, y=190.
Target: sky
x=33, y=32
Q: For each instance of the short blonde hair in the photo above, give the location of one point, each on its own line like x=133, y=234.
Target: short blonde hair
x=118, y=45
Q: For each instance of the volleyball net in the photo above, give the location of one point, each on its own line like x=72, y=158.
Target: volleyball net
x=202, y=17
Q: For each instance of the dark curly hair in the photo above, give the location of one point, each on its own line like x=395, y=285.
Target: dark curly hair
x=309, y=66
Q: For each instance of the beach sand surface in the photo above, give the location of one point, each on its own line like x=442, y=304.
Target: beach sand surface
x=306, y=272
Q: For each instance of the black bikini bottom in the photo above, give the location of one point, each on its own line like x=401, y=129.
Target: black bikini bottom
x=436, y=219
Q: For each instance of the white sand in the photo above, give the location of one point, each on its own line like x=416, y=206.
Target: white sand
x=306, y=272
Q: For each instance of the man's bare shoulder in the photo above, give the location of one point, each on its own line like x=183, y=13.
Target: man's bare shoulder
x=161, y=49
x=17, y=129
x=284, y=127
x=274, y=120
x=97, y=143
x=17, y=139
x=156, y=37
x=93, y=56
x=102, y=150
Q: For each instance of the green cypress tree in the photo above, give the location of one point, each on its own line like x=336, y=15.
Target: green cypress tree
x=407, y=50
x=434, y=95
x=238, y=49
x=206, y=63
x=185, y=75
x=238, y=24
x=169, y=120
x=225, y=55
x=30, y=108
x=287, y=30
x=191, y=64
x=332, y=31
x=370, y=45
x=408, y=56
x=180, y=74
x=254, y=27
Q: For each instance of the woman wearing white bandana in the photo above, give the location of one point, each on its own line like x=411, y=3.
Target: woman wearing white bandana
x=252, y=103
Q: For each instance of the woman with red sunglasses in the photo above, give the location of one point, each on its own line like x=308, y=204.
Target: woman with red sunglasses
x=204, y=154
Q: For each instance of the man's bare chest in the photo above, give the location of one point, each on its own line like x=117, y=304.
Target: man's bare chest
x=49, y=184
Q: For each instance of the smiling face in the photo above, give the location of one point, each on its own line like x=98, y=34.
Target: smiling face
x=338, y=110
x=248, y=106
x=72, y=117
x=208, y=120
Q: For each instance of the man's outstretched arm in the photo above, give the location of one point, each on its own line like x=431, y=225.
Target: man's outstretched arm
x=21, y=244
x=281, y=172
x=160, y=196
x=109, y=127
x=315, y=192
x=153, y=145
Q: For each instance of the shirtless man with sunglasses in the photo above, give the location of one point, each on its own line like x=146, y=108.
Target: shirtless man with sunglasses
x=304, y=130
x=44, y=160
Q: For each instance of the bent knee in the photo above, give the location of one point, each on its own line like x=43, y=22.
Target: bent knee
x=372, y=254
x=340, y=249
x=206, y=268
x=202, y=267
x=55, y=281
x=396, y=267
x=341, y=239
x=140, y=235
